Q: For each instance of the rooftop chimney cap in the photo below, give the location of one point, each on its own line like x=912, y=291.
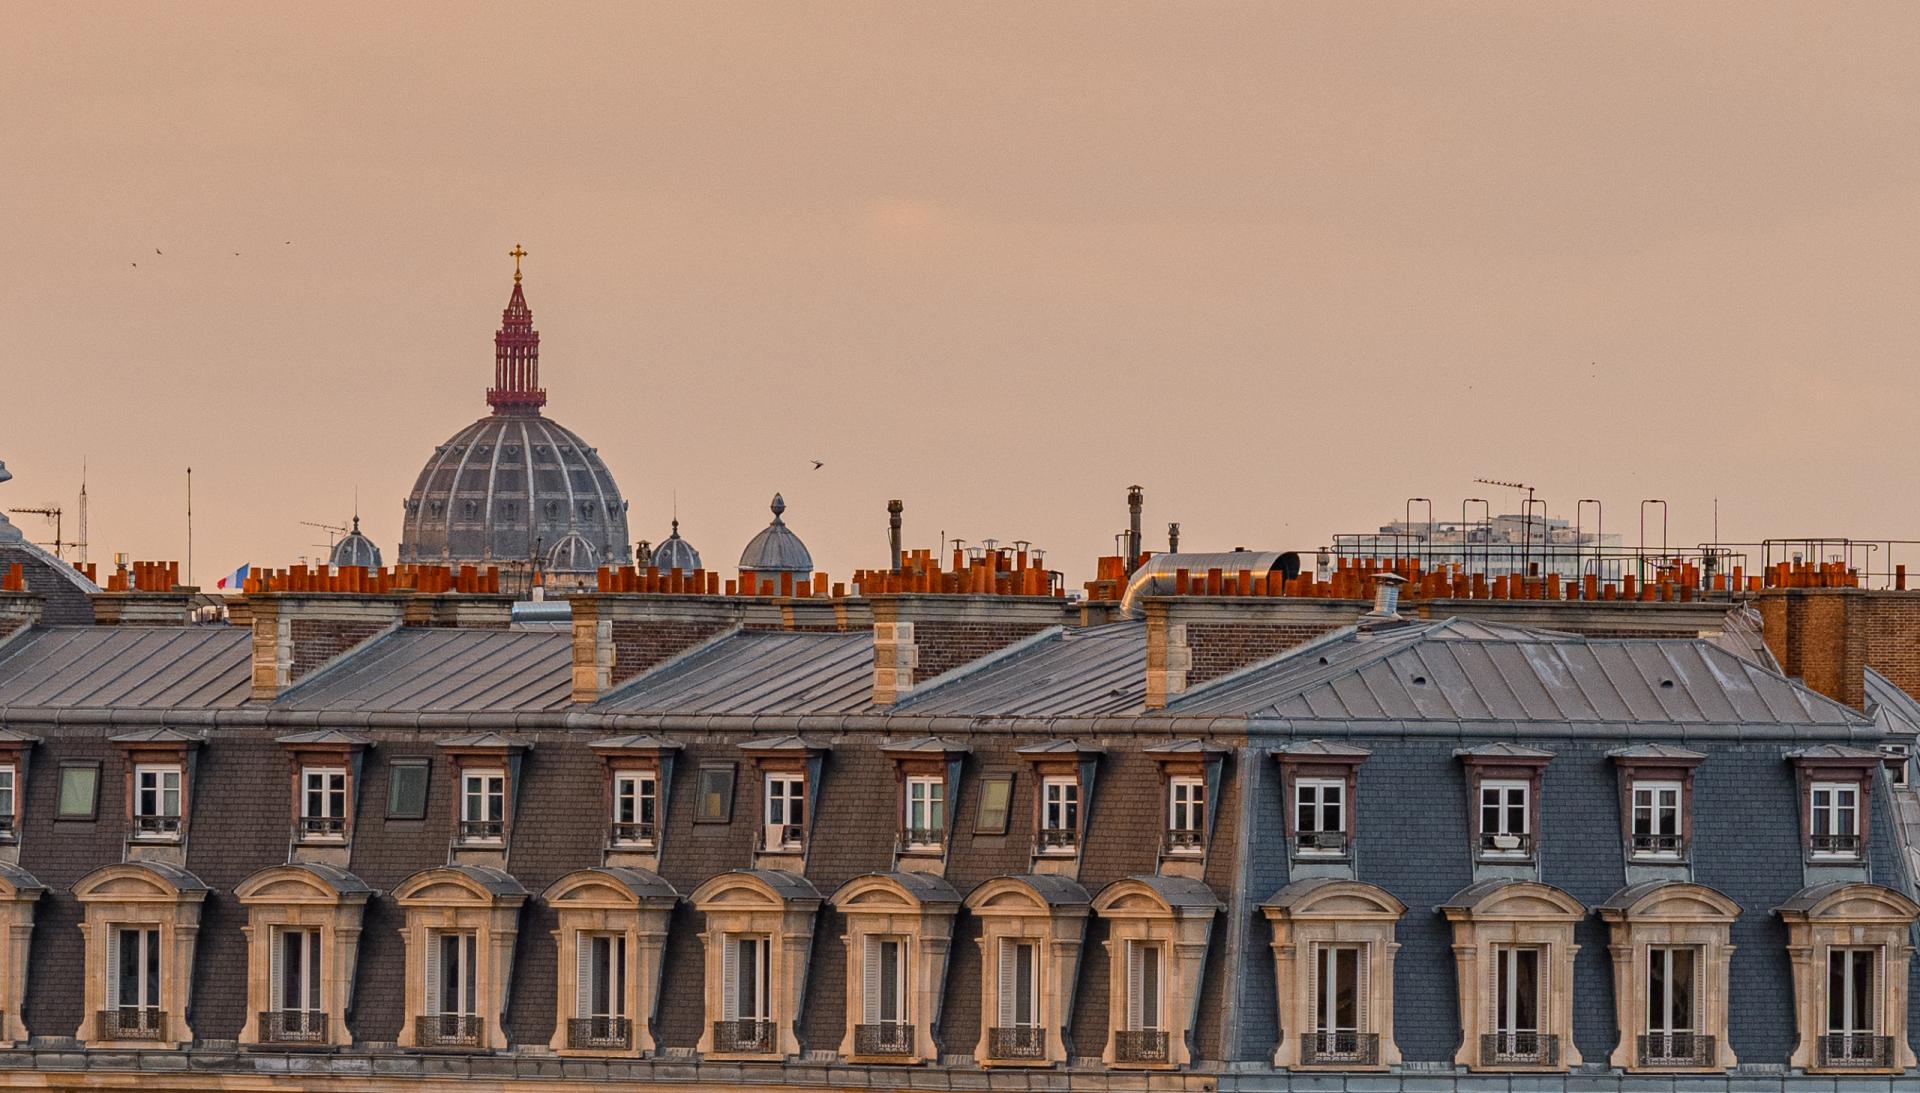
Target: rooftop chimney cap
x=1386, y=602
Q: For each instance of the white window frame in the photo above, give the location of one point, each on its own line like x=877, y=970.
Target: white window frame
x=926, y=810
x=492, y=783
x=1146, y=1003
x=1847, y=1022
x=326, y=794
x=1840, y=818
x=1315, y=796
x=1060, y=810
x=875, y=964
x=733, y=971
x=160, y=794
x=1504, y=792
x=1898, y=771
x=1010, y=996
x=785, y=806
x=1187, y=812
x=602, y=959
x=636, y=800
x=1326, y=982
x=1664, y=955
x=9, y=799
x=1644, y=797
x=149, y=989
x=1506, y=972
x=463, y=981
x=307, y=970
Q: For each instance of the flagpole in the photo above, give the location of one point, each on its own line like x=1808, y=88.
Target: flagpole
x=189, y=526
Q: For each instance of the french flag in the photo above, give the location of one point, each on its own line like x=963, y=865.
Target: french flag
x=238, y=580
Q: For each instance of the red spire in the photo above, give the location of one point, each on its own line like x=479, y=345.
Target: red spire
x=516, y=354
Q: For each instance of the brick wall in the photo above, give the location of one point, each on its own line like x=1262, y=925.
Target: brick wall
x=1892, y=633
x=639, y=645
x=318, y=641
x=945, y=645
x=1222, y=647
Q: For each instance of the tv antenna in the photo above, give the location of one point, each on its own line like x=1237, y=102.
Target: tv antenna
x=54, y=515
x=334, y=531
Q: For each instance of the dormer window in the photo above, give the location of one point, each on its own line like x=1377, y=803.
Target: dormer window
x=1657, y=828
x=1504, y=830
x=1503, y=785
x=636, y=808
x=323, y=803
x=1059, y=815
x=786, y=812
x=156, y=802
x=1320, y=816
x=1834, y=820
x=7, y=798
x=1186, y=815
x=926, y=820
x=483, y=806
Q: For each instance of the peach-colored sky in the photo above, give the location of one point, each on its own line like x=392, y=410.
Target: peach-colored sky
x=1283, y=264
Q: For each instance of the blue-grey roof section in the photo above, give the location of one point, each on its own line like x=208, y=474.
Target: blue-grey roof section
x=142, y=667
x=1892, y=708
x=757, y=672
x=776, y=549
x=1052, y=888
x=1177, y=891
x=1453, y=671
x=1091, y=671
x=443, y=670
x=924, y=887
x=643, y=883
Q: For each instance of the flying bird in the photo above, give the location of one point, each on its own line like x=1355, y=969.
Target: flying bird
x=817, y=464
x=156, y=250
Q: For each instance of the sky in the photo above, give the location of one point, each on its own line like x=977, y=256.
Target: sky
x=1284, y=265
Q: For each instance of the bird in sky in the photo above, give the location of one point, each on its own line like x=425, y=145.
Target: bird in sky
x=156, y=250
x=817, y=464
x=136, y=265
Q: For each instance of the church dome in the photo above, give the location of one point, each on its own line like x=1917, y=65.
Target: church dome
x=514, y=487
x=355, y=549
x=675, y=553
x=776, y=549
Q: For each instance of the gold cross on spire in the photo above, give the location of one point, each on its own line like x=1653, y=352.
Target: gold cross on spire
x=518, y=252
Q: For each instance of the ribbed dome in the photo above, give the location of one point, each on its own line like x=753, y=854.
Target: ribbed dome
x=355, y=549
x=507, y=489
x=573, y=554
x=675, y=553
x=776, y=549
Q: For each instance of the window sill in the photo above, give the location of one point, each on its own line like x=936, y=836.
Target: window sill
x=633, y=846
x=153, y=840
x=1505, y=857
x=1341, y=1068
x=1644, y=857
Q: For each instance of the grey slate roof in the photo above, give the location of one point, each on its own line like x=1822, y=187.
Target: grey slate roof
x=161, y=735
x=1295, y=891
x=643, y=883
x=1187, y=747
x=1455, y=671
x=1502, y=749
x=480, y=740
x=1097, y=670
x=1178, y=891
x=1331, y=748
x=1807, y=898
x=1833, y=751
x=1061, y=747
x=757, y=672
x=1656, y=751
x=776, y=549
x=493, y=880
x=341, y=881
x=924, y=887
x=1626, y=897
x=140, y=667
x=1742, y=637
x=322, y=736
x=419, y=669
x=1474, y=894
x=21, y=880
x=1893, y=709
x=62, y=589
x=924, y=745
x=785, y=884
x=1052, y=888
x=638, y=741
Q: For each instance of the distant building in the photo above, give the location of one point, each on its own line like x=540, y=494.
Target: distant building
x=1499, y=546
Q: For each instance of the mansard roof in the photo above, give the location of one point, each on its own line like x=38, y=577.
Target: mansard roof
x=139, y=667
x=443, y=670
x=1460, y=671
x=1064, y=673
x=757, y=672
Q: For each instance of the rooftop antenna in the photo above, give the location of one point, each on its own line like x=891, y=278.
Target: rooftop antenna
x=82, y=544
x=334, y=531
x=189, y=525
x=1526, y=520
x=53, y=514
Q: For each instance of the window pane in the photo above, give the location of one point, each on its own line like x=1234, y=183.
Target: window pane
x=1682, y=987
x=1346, y=989
x=407, y=791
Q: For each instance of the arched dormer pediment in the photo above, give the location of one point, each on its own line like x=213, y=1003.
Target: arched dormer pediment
x=17, y=885
x=1851, y=902
x=903, y=892
x=1155, y=897
x=1529, y=901
x=459, y=884
x=610, y=888
x=300, y=883
x=1029, y=894
x=1335, y=899
x=1669, y=901
x=139, y=882
x=751, y=889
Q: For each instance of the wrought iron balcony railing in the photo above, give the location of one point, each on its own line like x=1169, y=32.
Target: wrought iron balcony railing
x=600, y=1033
x=323, y=827
x=1868, y=1050
x=1512, y=844
x=1676, y=1049
x=1017, y=1042
x=1140, y=1045
x=156, y=827
x=293, y=1027
x=925, y=838
x=632, y=834
x=1519, y=1049
x=482, y=831
x=1320, y=843
x=133, y=1023
x=1838, y=846
x=749, y=1036
x=1666, y=846
x=1058, y=840
x=885, y=1038
x=1184, y=840
x=1349, y=1048
x=447, y=1029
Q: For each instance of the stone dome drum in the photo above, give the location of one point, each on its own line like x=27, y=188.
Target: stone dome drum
x=515, y=489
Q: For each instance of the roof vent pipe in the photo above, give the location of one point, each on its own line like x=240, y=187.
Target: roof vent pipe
x=894, y=509
x=1386, y=601
x=1173, y=538
x=1134, y=500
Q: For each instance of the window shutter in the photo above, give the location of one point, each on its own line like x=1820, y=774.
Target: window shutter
x=278, y=978
x=583, y=962
x=1879, y=991
x=113, y=967
x=870, y=981
x=1009, y=981
x=1543, y=991
x=313, y=970
x=1136, y=994
x=432, y=977
x=1310, y=1020
x=729, y=979
x=1363, y=989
